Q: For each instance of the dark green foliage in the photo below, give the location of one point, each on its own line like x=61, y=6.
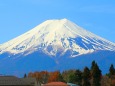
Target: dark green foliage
x=111, y=70
x=25, y=75
x=86, y=77
x=92, y=65
x=96, y=75
x=60, y=77
x=78, y=75
x=67, y=76
x=72, y=78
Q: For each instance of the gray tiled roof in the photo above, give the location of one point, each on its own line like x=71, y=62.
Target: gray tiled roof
x=12, y=80
x=29, y=80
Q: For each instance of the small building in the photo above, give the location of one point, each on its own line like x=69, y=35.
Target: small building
x=55, y=84
x=15, y=81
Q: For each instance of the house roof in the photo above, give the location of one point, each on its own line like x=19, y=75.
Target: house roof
x=12, y=80
x=29, y=80
x=56, y=84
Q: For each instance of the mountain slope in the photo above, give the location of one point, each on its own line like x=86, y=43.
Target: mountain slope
x=54, y=36
x=55, y=45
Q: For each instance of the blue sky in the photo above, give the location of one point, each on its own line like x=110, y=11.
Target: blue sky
x=19, y=16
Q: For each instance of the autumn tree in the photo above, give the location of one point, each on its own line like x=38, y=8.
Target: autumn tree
x=30, y=74
x=55, y=76
x=42, y=76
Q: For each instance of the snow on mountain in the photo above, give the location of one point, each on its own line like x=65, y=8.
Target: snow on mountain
x=57, y=36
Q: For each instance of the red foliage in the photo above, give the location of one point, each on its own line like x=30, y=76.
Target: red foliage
x=53, y=76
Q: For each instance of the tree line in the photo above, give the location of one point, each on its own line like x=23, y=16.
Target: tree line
x=87, y=77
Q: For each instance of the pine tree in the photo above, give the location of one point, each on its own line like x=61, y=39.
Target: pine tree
x=60, y=77
x=111, y=70
x=92, y=66
x=86, y=77
x=78, y=75
x=96, y=74
x=25, y=75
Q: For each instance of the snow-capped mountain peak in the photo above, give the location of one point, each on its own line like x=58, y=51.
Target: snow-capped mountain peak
x=57, y=36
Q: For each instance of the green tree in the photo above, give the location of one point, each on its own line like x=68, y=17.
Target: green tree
x=96, y=75
x=72, y=78
x=111, y=70
x=25, y=75
x=68, y=76
x=78, y=75
x=60, y=77
x=92, y=65
x=86, y=77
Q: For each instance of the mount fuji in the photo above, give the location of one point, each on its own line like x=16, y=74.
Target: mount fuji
x=55, y=45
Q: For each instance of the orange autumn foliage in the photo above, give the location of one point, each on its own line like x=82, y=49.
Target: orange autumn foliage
x=45, y=76
x=53, y=76
x=38, y=75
